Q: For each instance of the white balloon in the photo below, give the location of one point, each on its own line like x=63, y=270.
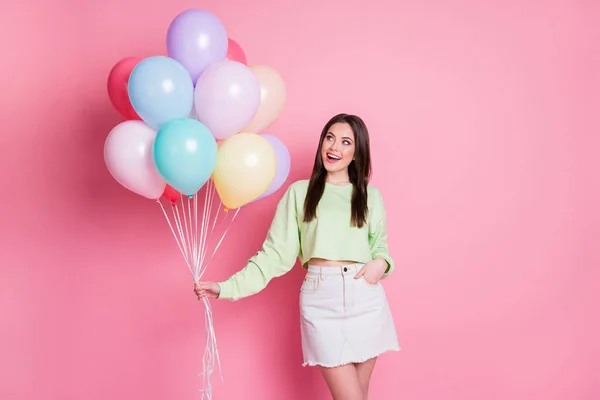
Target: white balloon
x=128, y=157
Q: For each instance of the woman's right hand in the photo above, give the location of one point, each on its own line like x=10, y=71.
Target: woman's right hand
x=207, y=289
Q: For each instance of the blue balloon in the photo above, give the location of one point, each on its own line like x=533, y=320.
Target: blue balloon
x=185, y=154
x=160, y=89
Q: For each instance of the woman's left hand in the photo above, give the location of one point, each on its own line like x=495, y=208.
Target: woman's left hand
x=373, y=271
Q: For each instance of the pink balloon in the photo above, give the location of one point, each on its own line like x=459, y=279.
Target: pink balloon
x=235, y=52
x=226, y=97
x=118, y=80
x=128, y=157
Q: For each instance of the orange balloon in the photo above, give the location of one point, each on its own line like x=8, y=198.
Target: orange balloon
x=272, y=98
x=246, y=166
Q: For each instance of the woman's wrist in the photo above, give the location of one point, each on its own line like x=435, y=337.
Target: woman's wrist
x=382, y=262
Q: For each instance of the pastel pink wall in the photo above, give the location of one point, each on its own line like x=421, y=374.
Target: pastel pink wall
x=485, y=136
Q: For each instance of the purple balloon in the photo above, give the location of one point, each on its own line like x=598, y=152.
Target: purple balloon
x=226, y=97
x=283, y=165
x=197, y=39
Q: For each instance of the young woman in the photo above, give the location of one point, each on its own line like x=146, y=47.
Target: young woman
x=335, y=223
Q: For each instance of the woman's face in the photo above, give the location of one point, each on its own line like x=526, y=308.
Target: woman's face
x=337, y=149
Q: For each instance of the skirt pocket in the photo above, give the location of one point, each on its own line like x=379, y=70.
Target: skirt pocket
x=369, y=284
x=311, y=285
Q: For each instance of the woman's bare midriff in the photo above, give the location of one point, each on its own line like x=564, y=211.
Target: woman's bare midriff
x=321, y=262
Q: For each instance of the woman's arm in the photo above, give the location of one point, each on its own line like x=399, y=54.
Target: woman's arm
x=276, y=257
x=378, y=231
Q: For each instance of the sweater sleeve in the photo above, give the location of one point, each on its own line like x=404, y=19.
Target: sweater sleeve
x=277, y=256
x=378, y=231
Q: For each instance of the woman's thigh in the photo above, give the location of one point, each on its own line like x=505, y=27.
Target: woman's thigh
x=343, y=382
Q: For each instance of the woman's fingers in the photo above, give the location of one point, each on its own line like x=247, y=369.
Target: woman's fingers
x=204, y=289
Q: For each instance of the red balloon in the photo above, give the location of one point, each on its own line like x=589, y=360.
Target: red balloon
x=118, y=80
x=235, y=52
x=171, y=194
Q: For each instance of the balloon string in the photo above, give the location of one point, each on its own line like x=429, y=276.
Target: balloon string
x=211, y=353
x=205, y=261
x=198, y=235
x=170, y=226
x=213, y=336
x=217, y=213
x=218, y=208
x=192, y=233
x=180, y=243
x=208, y=201
x=193, y=221
x=187, y=230
x=177, y=219
x=206, y=223
x=225, y=233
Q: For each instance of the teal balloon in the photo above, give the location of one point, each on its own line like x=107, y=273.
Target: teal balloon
x=185, y=154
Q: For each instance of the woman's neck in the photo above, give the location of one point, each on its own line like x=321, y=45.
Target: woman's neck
x=338, y=178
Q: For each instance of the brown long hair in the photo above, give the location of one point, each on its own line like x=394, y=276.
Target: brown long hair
x=359, y=172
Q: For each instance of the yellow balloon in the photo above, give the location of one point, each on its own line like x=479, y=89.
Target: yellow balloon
x=272, y=98
x=246, y=166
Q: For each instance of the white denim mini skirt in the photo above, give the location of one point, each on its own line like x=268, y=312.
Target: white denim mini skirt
x=343, y=319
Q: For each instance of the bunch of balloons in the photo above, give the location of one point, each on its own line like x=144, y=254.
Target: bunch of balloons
x=196, y=115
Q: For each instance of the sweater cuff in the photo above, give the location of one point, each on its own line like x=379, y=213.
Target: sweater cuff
x=389, y=261
x=226, y=292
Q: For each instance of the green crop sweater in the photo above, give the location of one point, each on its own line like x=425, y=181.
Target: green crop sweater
x=329, y=236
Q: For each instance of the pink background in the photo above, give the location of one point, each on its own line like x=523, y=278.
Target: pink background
x=485, y=136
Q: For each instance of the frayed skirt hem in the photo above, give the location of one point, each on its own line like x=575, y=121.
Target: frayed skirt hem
x=341, y=364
